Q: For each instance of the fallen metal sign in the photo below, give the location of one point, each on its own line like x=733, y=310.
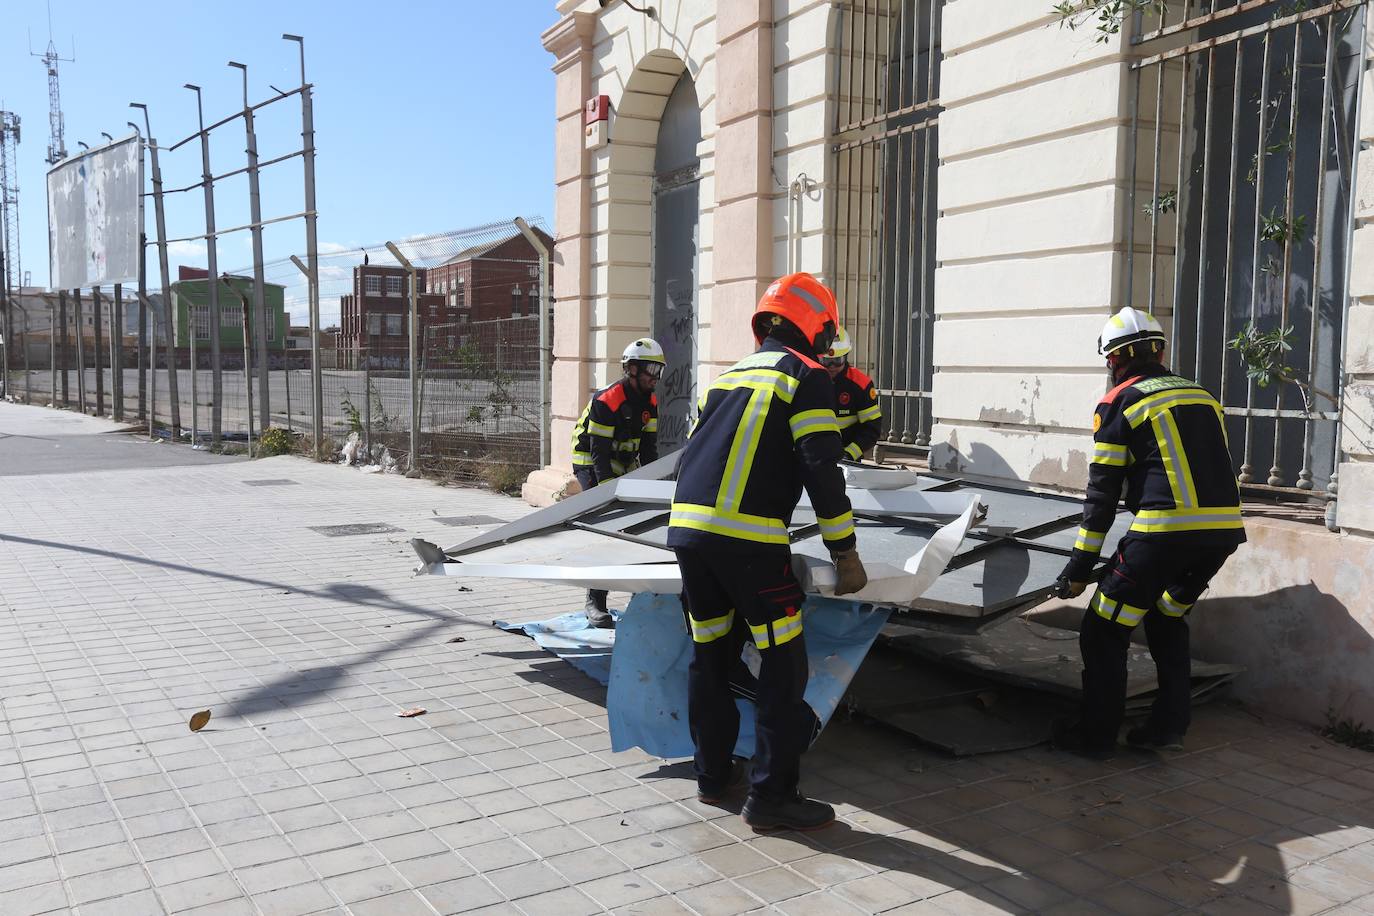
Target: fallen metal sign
x=945, y=552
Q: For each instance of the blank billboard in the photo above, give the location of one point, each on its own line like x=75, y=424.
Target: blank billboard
x=95, y=216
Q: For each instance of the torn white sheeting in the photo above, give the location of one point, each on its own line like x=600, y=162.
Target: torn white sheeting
x=867, y=478
x=872, y=502
x=659, y=578
x=886, y=584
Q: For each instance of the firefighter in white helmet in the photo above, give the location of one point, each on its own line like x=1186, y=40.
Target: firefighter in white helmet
x=856, y=399
x=1161, y=439
x=617, y=431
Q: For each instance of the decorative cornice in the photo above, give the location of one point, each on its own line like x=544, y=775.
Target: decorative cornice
x=569, y=36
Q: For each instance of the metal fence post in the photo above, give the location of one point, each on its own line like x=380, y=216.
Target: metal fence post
x=99, y=346
x=66, y=348
x=544, y=299
x=211, y=266
x=312, y=252
x=261, y=319
x=117, y=352
x=173, y=395
x=80, y=351
x=141, y=298
x=412, y=342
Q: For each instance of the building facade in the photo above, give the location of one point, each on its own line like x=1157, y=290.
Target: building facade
x=982, y=186
x=191, y=314
x=374, y=318
x=487, y=282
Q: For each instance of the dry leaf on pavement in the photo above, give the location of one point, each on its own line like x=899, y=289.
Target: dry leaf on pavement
x=200, y=720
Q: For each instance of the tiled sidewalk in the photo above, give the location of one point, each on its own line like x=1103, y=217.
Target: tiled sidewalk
x=130, y=599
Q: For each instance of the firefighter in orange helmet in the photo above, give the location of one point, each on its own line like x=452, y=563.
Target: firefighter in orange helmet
x=767, y=430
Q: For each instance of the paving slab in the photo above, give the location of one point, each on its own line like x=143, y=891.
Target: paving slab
x=134, y=593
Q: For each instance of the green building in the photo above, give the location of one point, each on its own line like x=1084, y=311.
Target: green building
x=191, y=296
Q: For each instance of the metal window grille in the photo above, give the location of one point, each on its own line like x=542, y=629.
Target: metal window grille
x=372, y=284
x=1243, y=159
x=887, y=116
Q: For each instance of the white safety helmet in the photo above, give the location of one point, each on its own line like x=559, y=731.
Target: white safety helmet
x=643, y=350
x=1127, y=328
x=841, y=347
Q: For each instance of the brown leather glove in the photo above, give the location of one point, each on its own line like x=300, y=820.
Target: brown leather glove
x=849, y=570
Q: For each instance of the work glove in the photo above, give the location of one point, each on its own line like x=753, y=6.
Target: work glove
x=849, y=570
x=1073, y=581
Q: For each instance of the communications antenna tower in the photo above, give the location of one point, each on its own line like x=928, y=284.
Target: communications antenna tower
x=57, y=145
x=9, y=200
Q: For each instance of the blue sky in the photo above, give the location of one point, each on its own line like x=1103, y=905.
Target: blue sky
x=429, y=116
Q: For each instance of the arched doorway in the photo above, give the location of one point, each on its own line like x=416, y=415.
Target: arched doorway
x=676, y=208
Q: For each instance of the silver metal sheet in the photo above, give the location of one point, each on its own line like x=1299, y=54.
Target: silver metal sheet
x=1004, y=575
x=904, y=502
x=1017, y=513
x=569, y=548
x=659, y=578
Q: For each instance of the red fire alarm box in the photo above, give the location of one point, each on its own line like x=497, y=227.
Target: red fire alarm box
x=596, y=118
x=598, y=108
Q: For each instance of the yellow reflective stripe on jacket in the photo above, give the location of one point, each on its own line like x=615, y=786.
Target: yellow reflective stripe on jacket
x=1109, y=454
x=844, y=422
x=742, y=449
x=651, y=426
x=598, y=429
x=785, y=629
x=1206, y=518
x=731, y=524
x=837, y=528
x=780, y=384
x=853, y=451
x=1167, y=605
x=1143, y=409
x=713, y=629
x=1175, y=460
x=1090, y=541
x=581, y=459
x=808, y=422
x=871, y=413
x=1116, y=611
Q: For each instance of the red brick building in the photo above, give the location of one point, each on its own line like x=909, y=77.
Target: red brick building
x=374, y=318
x=496, y=280
x=486, y=282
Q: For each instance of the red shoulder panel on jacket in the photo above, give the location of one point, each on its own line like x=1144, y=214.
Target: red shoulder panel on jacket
x=804, y=358
x=858, y=377
x=653, y=400
x=1115, y=392
x=613, y=397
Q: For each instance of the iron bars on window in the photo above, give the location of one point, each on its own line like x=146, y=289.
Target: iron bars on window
x=1239, y=215
x=887, y=87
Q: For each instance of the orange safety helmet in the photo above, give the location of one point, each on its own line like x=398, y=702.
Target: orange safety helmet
x=804, y=301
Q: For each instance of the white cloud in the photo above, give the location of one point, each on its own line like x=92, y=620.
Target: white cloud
x=187, y=250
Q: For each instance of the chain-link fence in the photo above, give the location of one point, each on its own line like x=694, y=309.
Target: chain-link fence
x=476, y=379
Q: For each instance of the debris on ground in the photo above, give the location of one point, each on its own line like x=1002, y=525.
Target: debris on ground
x=200, y=720
x=411, y=713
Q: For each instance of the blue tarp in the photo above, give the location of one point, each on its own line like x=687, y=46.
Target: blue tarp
x=587, y=649
x=647, y=674
x=647, y=700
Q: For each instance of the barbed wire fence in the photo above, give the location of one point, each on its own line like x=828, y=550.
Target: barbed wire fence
x=474, y=382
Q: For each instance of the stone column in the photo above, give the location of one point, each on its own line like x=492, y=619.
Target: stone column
x=742, y=230
x=570, y=42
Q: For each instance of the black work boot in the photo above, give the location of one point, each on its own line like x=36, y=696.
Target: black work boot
x=1152, y=739
x=597, y=615
x=797, y=813
x=714, y=793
